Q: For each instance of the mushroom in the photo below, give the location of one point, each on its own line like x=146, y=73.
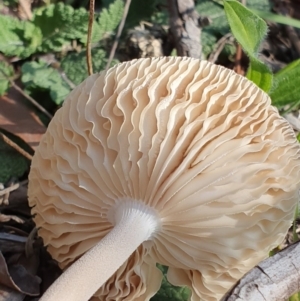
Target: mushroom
x=167, y=160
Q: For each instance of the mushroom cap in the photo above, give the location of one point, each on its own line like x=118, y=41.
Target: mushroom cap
x=197, y=142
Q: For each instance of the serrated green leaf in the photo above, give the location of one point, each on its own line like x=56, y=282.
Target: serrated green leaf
x=37, y=75
x=12, y=163
x=141, y=11
x=108, y=20
x=169, y=292
x=219, y=26
x=75, y=67
x=60, y=24
x=249, y=30
x=18, y=38
x=286, y=89
x=5, y=71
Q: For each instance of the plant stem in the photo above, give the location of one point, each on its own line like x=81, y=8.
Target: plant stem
x=118, y=35
x=15, y=146
x=89, y=38
x=135, y=223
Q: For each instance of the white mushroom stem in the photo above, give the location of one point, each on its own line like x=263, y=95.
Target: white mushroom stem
x=134, y=224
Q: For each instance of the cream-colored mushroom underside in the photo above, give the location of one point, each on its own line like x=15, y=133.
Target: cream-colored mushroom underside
x=193, y=140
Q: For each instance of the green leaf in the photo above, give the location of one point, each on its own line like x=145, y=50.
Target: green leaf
x=60, y=24
x=277, y=18
x=260, y=74
x=37, y=75
x=286, y=89
x=219, y=24
x=11, y=3
x=169, y=292
x=18, y=38
x=75, y=67
x=249, y=30
x=160, y=17
x=295, y=297
x=108, y=20
x=288, y=68
x=12, y=163
x=262, y=5
x=141, y=11
x=5, y=69
x=208, y=42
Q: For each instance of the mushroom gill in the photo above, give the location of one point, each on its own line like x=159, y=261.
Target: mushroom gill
x=189, y=157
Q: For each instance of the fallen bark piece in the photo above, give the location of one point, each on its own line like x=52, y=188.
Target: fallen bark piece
x=185, y=27
x=274, y=279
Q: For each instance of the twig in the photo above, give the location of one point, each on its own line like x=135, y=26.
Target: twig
x=66, y=79
x=239, y=53
x=238, y=58
x=6, y=218
x=118, y=35
x=16, y=146
x=34, y=102
x=89, y=38
x=63, y=75
x=4, y=193
x=220, y=45
x=25, y=5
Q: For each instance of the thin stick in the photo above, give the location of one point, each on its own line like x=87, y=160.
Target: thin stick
x=220, y=46
x=15, y=146
x=119, y=32
x=9, y=189
x=89, y=38
x=34, y=102
x=4, y=194
x=239, y=54
x=238, y=57
x=26, y=9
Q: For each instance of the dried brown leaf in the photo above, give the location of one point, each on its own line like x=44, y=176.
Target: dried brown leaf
x=6, y=218
x=8, y=294
x=18, y=278
x=16, y=118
